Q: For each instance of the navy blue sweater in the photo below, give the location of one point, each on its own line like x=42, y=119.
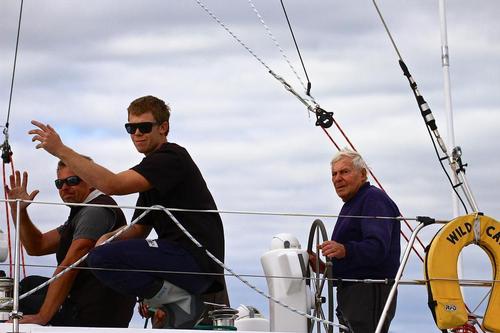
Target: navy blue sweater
x=372, y=245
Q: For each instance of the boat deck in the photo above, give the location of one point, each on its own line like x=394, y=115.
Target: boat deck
x=32, y=328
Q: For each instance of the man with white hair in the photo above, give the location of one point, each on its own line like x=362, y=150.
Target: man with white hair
x=362, y=246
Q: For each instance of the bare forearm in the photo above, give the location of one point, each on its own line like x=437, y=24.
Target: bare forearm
x=133, y=232
x=60, y=288
x=56, y=294
x=94, y=174
x=30, y=236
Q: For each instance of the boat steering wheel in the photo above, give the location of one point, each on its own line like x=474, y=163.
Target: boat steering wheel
x=319, y=274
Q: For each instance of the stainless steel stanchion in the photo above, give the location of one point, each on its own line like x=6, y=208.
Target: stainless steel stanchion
x=423, y=222
x=15, y=314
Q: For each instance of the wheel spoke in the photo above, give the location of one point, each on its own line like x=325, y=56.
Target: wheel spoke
x=317, y=235
x=322, y=316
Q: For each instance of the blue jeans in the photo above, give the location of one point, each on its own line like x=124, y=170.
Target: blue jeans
x=127, y=259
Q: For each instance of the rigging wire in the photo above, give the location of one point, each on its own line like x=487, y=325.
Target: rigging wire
x=425, y=110
x=216, y=19
x=5, y=147
x=378, y=183
x=312, y=108
x=308, y=89
x=14, y=68
x=441, y=159
x=282, y=52
x=195, y=242
x=482, y=301
x=324, y=119
x=232, y=273
x=315, y=109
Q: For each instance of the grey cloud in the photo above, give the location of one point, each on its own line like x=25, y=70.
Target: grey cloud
x=81, y=63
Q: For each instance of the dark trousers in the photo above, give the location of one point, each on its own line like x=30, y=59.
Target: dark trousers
x=67, y=314
x=128, y=259
x=360, y=306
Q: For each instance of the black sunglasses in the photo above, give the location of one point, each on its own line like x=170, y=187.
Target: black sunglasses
x=144, y=127
x=70, y=181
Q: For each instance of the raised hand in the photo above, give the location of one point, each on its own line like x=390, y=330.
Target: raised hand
x=47, y=136
x=19, y=190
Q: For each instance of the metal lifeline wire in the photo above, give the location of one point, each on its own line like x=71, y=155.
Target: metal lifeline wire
x=232, y=273
x=220, y=211
x=242, y=45
x=239, y=277
x=179, y=225
x=482, y=300
x=463, y=282
x=76, y=263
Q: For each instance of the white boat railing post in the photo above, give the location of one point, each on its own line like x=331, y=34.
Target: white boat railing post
x=423, y=222
x=15, y=314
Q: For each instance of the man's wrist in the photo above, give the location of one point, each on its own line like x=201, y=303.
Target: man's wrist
x=44, y=317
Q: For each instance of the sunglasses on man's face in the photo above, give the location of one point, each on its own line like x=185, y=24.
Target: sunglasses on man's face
x=70, y=181
x=144, y=127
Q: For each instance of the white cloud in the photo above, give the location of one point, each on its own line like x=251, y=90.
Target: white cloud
x=80, y=64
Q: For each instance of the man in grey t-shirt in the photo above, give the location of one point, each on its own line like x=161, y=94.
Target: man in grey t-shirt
x=77, y=298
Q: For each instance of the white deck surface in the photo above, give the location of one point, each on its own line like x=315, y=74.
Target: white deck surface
x=30, y=328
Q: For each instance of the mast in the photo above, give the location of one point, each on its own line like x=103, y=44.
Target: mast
x=445, y=63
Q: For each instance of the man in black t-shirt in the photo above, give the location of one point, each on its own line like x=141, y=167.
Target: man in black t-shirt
x=166, y=176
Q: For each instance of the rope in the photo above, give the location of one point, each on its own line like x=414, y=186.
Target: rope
x=427, y=114
x=376, y=181
x=482, y=300
x=310, y=108
x=253, y=54
x=232, y=273
x=181, y=227
x=7, y=218
x=248, y=284
x=276, y=43
x=6, y=150
x=76, y=263
x=214, y=17
x=338, y=148
x=420, y=100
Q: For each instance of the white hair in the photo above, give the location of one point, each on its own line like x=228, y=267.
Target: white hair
x=354, y=156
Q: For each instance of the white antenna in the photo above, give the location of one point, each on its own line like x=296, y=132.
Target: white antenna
x=445, y=63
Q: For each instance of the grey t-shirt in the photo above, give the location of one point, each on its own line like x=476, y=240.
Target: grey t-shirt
x=90, y=223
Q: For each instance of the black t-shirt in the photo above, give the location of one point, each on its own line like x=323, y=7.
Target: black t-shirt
x=177, y=183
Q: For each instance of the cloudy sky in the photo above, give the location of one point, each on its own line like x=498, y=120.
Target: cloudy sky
x=80, y=63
